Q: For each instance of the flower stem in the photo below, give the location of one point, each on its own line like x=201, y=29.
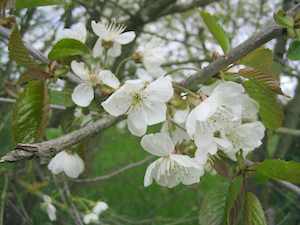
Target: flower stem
x=123, y=62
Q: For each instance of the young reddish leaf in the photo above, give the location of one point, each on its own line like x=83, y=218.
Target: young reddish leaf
x=269, y=79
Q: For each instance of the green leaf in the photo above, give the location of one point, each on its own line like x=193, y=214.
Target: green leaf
x=20, y=4
x=279, y=169
x=52, y=133
x=214, y=189
x=260, y=59
x=294, y=50
x=216, y=30
x=254, y=213
x=30, y=114
x=66, y=48
x=17, y=50
x=61, y=97
x=234, y=201
x=270, y=110
x=282, y=19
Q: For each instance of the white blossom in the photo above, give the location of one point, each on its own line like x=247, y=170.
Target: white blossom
x=77, y=31
x=90, y=218
x=83, y=93
x=49, y=207
x=100, y=207
x=111, y=37
x=69, y=163
x=150, y=54
x=177, y=133
x=214, y=123
x=244, y=137
x=145, y=104
x=93, y=216
x=171, y=168
x=144, y=75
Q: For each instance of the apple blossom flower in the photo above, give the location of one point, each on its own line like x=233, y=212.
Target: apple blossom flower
x=220, y=109
x=93, y=216
x=111, y=37
x=69, y=163
x=144, y=75
x=177, y=133
x=245, y=137
x=49, y=207
x=90, y=218
x=145, y=104
x=150, y=55
x=83, y=93
x=171, y=168
x=77, y=31
x=218, y=123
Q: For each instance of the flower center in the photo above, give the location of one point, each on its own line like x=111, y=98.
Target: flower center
x=93, y=79
x=107, y=44
x=137, y=57
x=136, y=99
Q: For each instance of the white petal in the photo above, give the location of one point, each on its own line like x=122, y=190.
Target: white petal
x=117, y=104
x=250, y=108
x=184, y=160
x=98, y=49
x=99, y=28
x=143, y=75
x=77, y=32
x=159, y=144
x=201, y=113
x=56, y=163
x=154, y=69
x=90, y=218
x=115, y=50
x=181, y=115
x=160, y=90
x=137, y=121
x=51, y=210
x=205, y=143
x=100, y=207
x=80, y=70
x=148, y=179
x=108, y=78
x=155, y=111
x=125, y=38
x=223, y=143
x=193, y=176
x=73, y=166
x=251, y=134
x=83, y=95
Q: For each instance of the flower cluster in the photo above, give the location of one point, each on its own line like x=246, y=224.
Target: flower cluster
x=93, y=216
x=223, y=118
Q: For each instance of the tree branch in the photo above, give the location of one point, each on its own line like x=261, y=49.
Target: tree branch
x=52, y=147
x=270, y=32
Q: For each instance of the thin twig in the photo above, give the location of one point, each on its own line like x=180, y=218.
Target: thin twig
x=289, y=131
x=116, y=172
x=3, y=199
